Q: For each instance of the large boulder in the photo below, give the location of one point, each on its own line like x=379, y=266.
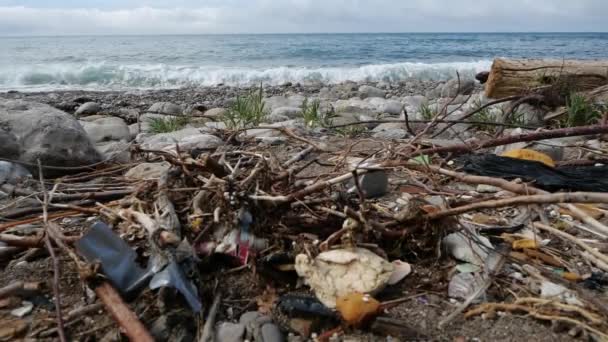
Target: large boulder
x=106, y=129
x=9, y=145
x=45, y=133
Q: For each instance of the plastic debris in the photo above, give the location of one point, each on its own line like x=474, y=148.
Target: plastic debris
x=464, y=285
x=525, y=244
x=117, y=258
x=356, y=308
x=172, y=276
x=574, y=178
x=304, y=306
x=549, y=290
x=470, y=248
x=527, y=154
x=340, y=272
x=25, y=309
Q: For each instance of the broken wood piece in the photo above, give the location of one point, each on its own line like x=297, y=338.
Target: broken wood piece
x=564, y=197
x=603, y=258
x=121, y=313
x=510, y=77
x=19, y=288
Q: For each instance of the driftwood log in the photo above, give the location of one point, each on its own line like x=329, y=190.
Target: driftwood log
x=510, y=77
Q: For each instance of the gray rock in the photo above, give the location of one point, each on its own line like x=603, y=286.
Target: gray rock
x=272, y=333
x=452, y=88
x=366, y=91
x=267, y=133
x=12, y=173
x=129, y=114
x=46, y=133
x=289, y=112
x=10, y=145
x=391, y=134
x=165, y=108
x=381, y=106
x=274, y=102
x=148, y=171
x=107, y=129
x=88, y=108
x=249, y=317
x=215, y=113
x=413, y=103
x=388, y=126
x=373, y=184
x=230, y=332
x=117, y=151
x=136, y=128
x=163, y=140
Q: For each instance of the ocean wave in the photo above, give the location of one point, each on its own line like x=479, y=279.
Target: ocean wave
x=107, y=76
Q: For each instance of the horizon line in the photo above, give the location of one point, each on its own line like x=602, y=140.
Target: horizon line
x=289, y=33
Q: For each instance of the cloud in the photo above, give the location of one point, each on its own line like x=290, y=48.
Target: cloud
x=259, y=16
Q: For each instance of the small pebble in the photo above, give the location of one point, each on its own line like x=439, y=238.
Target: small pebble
x=272, y=333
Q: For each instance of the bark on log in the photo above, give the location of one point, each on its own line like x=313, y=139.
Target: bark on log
x=510, y=77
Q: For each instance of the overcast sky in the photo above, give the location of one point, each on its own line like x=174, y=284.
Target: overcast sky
x=74, y=17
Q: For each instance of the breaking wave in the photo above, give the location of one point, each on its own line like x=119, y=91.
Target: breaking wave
x=104, y=76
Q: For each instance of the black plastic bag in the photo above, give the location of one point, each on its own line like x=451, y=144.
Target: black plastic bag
x=569, y=178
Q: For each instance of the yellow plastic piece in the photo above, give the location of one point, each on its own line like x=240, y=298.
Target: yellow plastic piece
x=525, y=244
x=526, y=154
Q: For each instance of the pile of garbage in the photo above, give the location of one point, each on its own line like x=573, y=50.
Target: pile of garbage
x=329, y=238
x=325, y=239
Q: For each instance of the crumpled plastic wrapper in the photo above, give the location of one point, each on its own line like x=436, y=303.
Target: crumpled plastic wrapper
x=340, y=272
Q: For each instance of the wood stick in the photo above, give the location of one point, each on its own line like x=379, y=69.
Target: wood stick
x=564, y=197
x=56, y=267
x=125, y=318
x=603, y=258
x=526, y=137
x=492, y=307
x=19, y=287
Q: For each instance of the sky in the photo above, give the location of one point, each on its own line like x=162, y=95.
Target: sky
x=83, y=17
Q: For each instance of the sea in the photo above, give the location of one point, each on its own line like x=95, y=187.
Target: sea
x=173, y=61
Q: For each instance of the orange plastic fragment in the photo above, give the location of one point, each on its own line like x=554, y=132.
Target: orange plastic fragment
x=527, y=154
x=355, y=308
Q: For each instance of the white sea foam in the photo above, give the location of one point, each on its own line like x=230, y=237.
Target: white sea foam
x=105, y=76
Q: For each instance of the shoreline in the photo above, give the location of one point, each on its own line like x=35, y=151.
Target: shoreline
x=211, y=96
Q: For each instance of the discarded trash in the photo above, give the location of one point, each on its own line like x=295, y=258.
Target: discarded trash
x=172, y=276
x=597, y=281
x=549, y=290
x=303, y=306
x=117, y=258
x=356, y=308
x=402, y=270
x=25, y=309
x=464, y=285
x=527, y=154
x=525, y=244
x=340, y=272
x=470, y=248
x=573, y=178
